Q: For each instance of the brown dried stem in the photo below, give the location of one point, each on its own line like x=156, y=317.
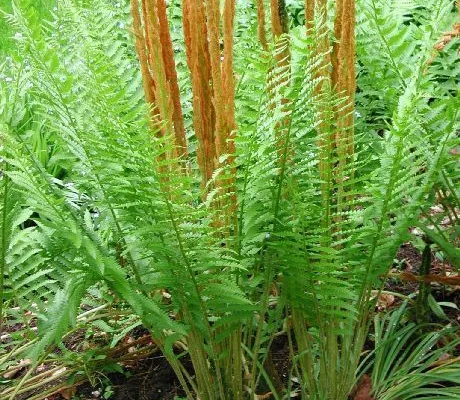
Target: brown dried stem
x=261, y=24
x=156, y=57
x=198, y=60
x=209, y=47
x=343, y=74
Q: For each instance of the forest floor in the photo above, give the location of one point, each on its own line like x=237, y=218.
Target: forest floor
x=151, y=377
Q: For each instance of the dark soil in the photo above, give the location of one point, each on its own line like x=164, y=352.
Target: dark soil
x=151, y=379
x=154, y=379
x=409, y=260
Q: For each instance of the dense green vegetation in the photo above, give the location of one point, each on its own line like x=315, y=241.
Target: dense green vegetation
x=271, y=212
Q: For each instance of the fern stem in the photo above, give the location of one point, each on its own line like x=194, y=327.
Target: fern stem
x=134, y=267
x=3, y=243
x=268, y=380
x=181, y=374
x=422, y=307
x=191, y=274
x=452, y=192
x=294, y=357
x=268, y=270
x=4, y=234
x=261, y=24
x=26, y=376
x=251, y=149
x=280, y=23
x=387, y=46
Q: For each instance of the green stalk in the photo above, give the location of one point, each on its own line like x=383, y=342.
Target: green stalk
x=269, y=269
x=191, y=274
x=422, y=308
x=452, y=190
x=387, y=47
x=3, y=245
x=304, y=346
x=236, y=360
x=26, y=376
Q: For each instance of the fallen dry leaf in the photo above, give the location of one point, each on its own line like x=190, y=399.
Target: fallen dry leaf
x=68, y=393
x=385, y=300
x=13, y=371
x=364, y=389
x=265, y=396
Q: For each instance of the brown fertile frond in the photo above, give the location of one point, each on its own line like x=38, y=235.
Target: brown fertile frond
x=446, y=38
x=213, y=25
x=316, y=17
x=157, y=65
x=261, y=24
x=147, y=79
x=154, y=48
x=343, y=75
x=171, y=76
x=210, y=60
x=223, y=90
x=309, y=13
x=280, y=23
x=228, y=78
x=280, y=26
x=228, y=81
x=342, y=80
x=198, y=60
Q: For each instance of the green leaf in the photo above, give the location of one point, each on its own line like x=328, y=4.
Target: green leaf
x=436, y=308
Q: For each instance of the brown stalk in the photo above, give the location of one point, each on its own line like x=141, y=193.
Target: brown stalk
x=261, y=24
x=342, y=79
x=213, y=82
x=316, y=17
x=321, y=46
x=343, y=74
x=171, y=76
x=410, y=277
x=312, y=7
x=198, y=60
x=223, y=87
x=213, y=24
x=155, y=52
x=280, y=26
x=147, y=79
x=211, y=69
x=279, y=17
x=309, y=13
x=446, y=38
x=157, y=65
x=228, y=80
x=344, y=82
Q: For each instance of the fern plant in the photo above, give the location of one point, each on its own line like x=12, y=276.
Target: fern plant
x=289, y=232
